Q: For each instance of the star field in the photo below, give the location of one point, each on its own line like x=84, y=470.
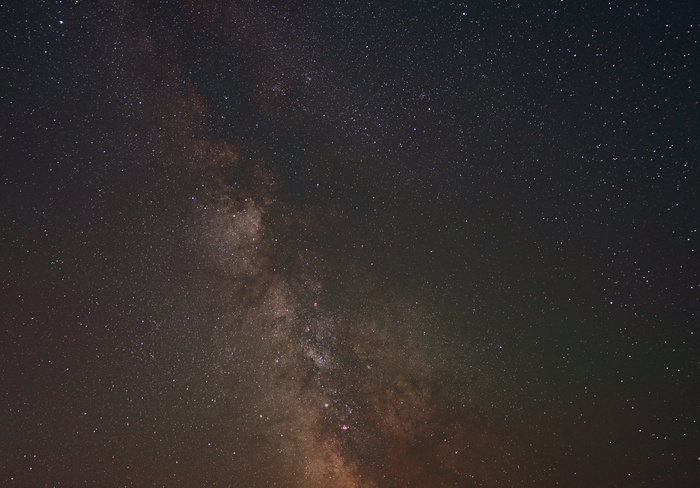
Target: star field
x=349, y=244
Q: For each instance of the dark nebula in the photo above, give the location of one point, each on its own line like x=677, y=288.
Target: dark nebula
x=349, y=244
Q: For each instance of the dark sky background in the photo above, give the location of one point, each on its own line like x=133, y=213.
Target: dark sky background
x=349, y=244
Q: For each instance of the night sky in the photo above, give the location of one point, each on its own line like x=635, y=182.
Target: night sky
x=335, y=244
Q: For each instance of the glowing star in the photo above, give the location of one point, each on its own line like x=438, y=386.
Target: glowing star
x=344, y=427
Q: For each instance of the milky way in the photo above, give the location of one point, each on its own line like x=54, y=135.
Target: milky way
x=348, y=244
x=340, y=386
